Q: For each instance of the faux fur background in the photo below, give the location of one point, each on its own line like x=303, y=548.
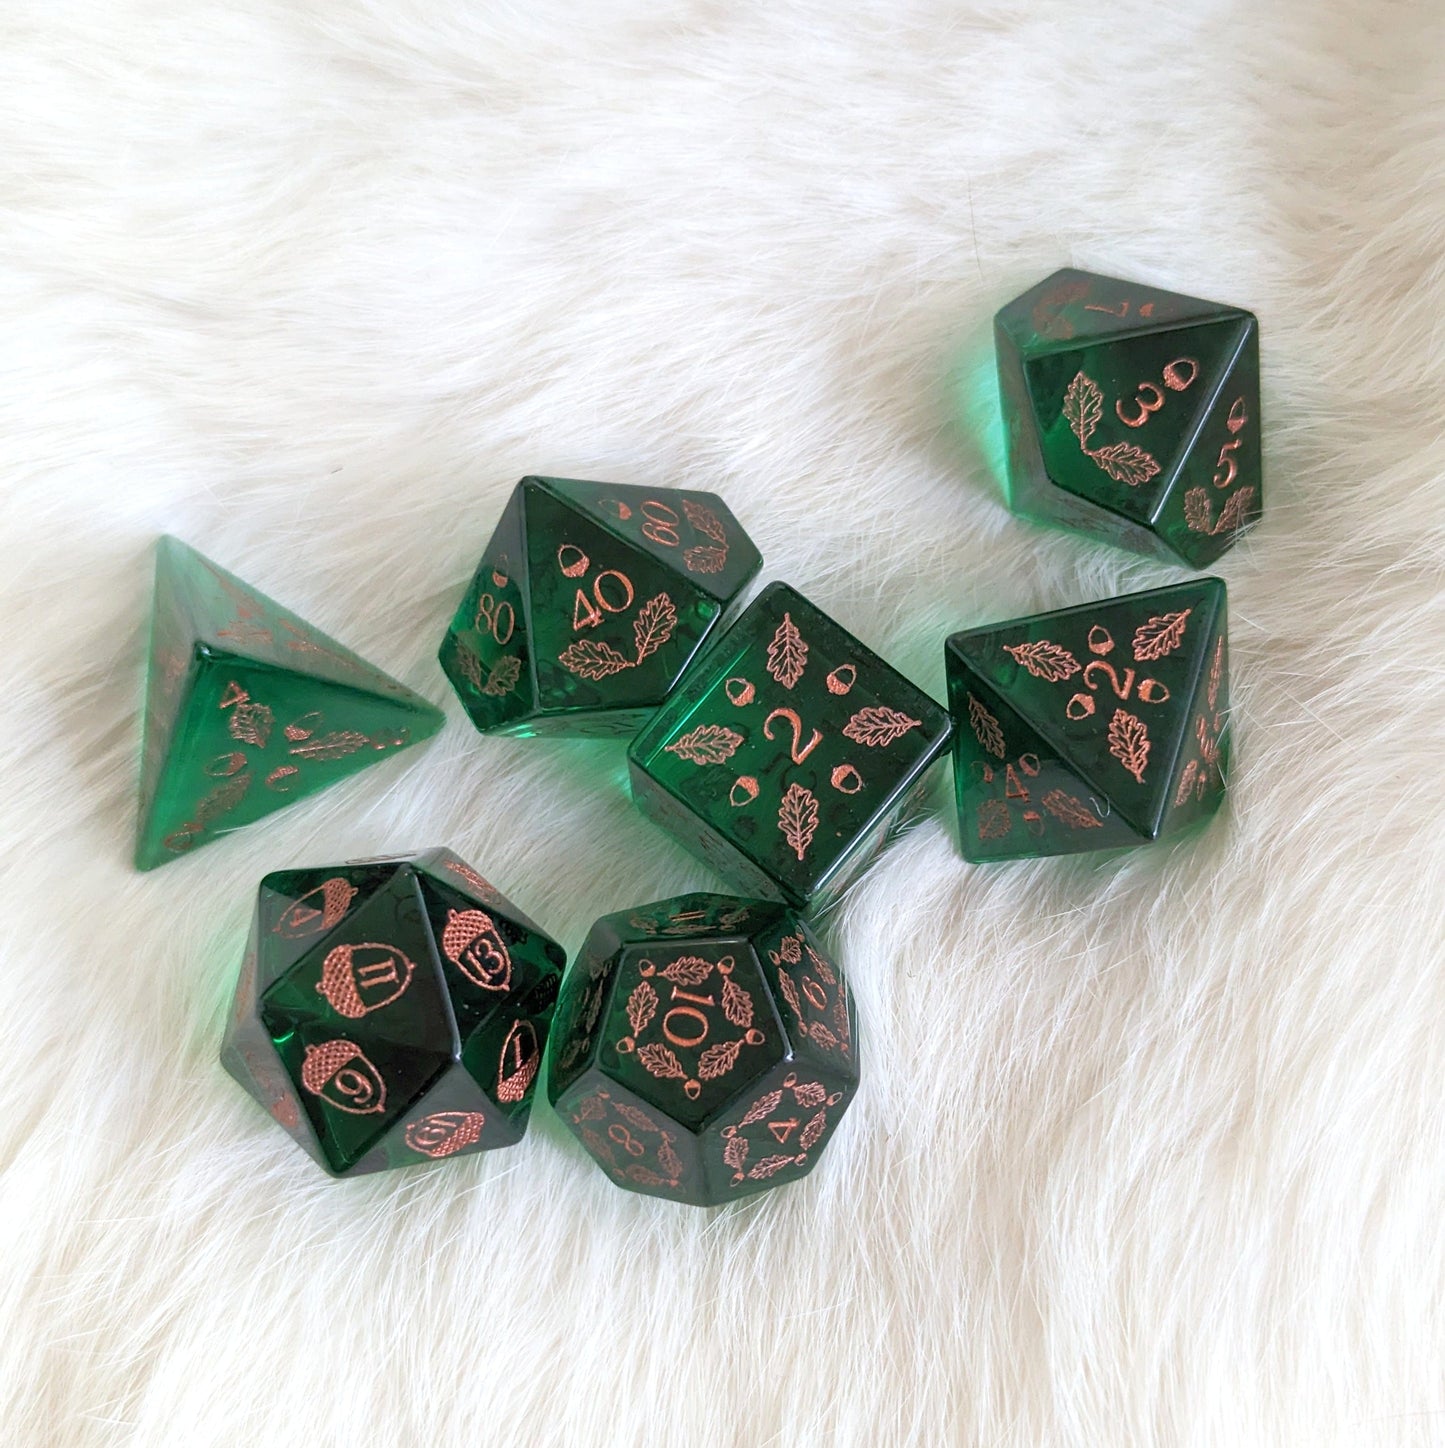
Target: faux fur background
x=1150, y=1150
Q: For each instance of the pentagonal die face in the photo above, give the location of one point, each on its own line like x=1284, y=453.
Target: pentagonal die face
x=588, y=602
x=391, y=1012
x=705, y=1048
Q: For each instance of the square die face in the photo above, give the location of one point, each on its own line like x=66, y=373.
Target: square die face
x=791, y=741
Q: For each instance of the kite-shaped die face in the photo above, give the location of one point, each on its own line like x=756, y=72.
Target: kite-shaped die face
x=787, y=752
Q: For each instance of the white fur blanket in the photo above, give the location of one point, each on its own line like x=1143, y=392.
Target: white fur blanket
x=1149, y=1149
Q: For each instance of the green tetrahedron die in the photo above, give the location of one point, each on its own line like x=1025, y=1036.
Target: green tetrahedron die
x=788, y=753
x=1131, y=414
x=1093, y=727
x=588, y=603
x=391, y=1012
x=705, y=1048
x=248, y=708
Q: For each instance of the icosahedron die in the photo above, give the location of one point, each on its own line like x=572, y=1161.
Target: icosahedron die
x=705, y=1048
x=248, y=708
x=588, y=601
x=1132, y=414
x=391, y=1012
x=1092, y=727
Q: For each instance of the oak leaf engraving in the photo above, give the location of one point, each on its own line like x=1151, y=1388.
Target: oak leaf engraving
x=798, y=818
x=705, y=520
x=1083, y=407
x=735, y=1153
x=812, y=1131
x=787, y=654
x=502, y=678
x=592, y=659
x=336, y=745
x=1129, y=742
x=590, y=1110
x=251, y=724
x=1159, y=635
x=769, y=1166
x=985, y=727
x=790, y=993
x=1126, y=463
x=641, y=1006
x=633, y=1117
x=687, y=970
x=994, y=820
x=1232, y=515
x=810, y=1093
x=660, y=1061
x=763, y=1106
x=1071, y=811
x=707, y=744
x=669, y=1160
x=790, y=948
x=737, y=1004
x=1216, y=672
x=1198, y=514
x=718, y=1060
x=878, y=726
x=645, y=1176
x=704, y=559
x=653, y=625
x=1044, y=660
x=825, y=971
x=823, y=1036
x=1186, y=782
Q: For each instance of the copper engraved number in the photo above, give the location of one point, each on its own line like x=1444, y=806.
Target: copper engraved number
x=797, y=756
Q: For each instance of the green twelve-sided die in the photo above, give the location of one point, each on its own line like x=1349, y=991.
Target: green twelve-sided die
x=787, y=752
x=588, y=602
x=1092, y=727
x=1132, y=414
x=392, y=1012
x=705, y=1048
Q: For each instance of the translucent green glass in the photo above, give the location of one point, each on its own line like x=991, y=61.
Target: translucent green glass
x=392, y=1012
x=705, y=1048
x=248, y=708
x=1132, y=414
x=588, y=602
x=1093, y=727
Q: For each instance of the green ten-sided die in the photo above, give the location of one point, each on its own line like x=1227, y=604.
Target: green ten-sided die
x=391, y=1012
x=249, y=708
x=1132, y=414
x=588, y=603
x=787, y=752
x=1093, y=727
x=704, y=1048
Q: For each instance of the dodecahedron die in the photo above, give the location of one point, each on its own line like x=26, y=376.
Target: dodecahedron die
x=1092, y=727
x=391, y=1012
x=249, y=708
x=787, y=752
x=588, y=602
x=705, y=1048
x=1132, y=414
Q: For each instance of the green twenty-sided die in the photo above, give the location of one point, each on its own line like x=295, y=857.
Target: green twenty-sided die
x=391, y=1012
x=787, y=752
x=588, y=603
x=1093, y=727
x=249, y=708
x=1132, y=414
x=704, y=1048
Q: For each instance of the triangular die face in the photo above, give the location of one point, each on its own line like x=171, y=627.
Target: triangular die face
x=298, y=909
x=254, y=739
x=455, y=1119
x=1105, y=687
x=811, y=995
x=504, y=1056
x=1203, y=764
x=373, y=978
x=449, y=870
x=582, y=1010
x=693, y=534
x=486, y=653
x=611, y=627
x=1116, y=417
x=1018, y=796
x=490, y=962
x=1077, y=306
x=237, y=619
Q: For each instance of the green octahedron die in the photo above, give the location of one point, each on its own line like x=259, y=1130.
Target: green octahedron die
x=249, y=708
x=1132, y=414
x=588, y=603
x=391, y=1012
x=1092, y=727
x=787, y=752
x=705, y=1048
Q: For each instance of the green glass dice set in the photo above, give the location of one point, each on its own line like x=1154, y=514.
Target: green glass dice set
x=396, y=1011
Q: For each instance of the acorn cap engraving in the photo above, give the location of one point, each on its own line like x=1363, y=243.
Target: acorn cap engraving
x=344, y=978
x=471, y=942
x=303, y=917
x=444, y=1133
x=325, y=1062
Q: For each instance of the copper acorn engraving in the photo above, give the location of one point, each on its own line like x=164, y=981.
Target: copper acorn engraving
x=517, y=1068
x=358, y=979
x=444, y=1133
x=320, y=908
x=340, y=1075
x=471, y=942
